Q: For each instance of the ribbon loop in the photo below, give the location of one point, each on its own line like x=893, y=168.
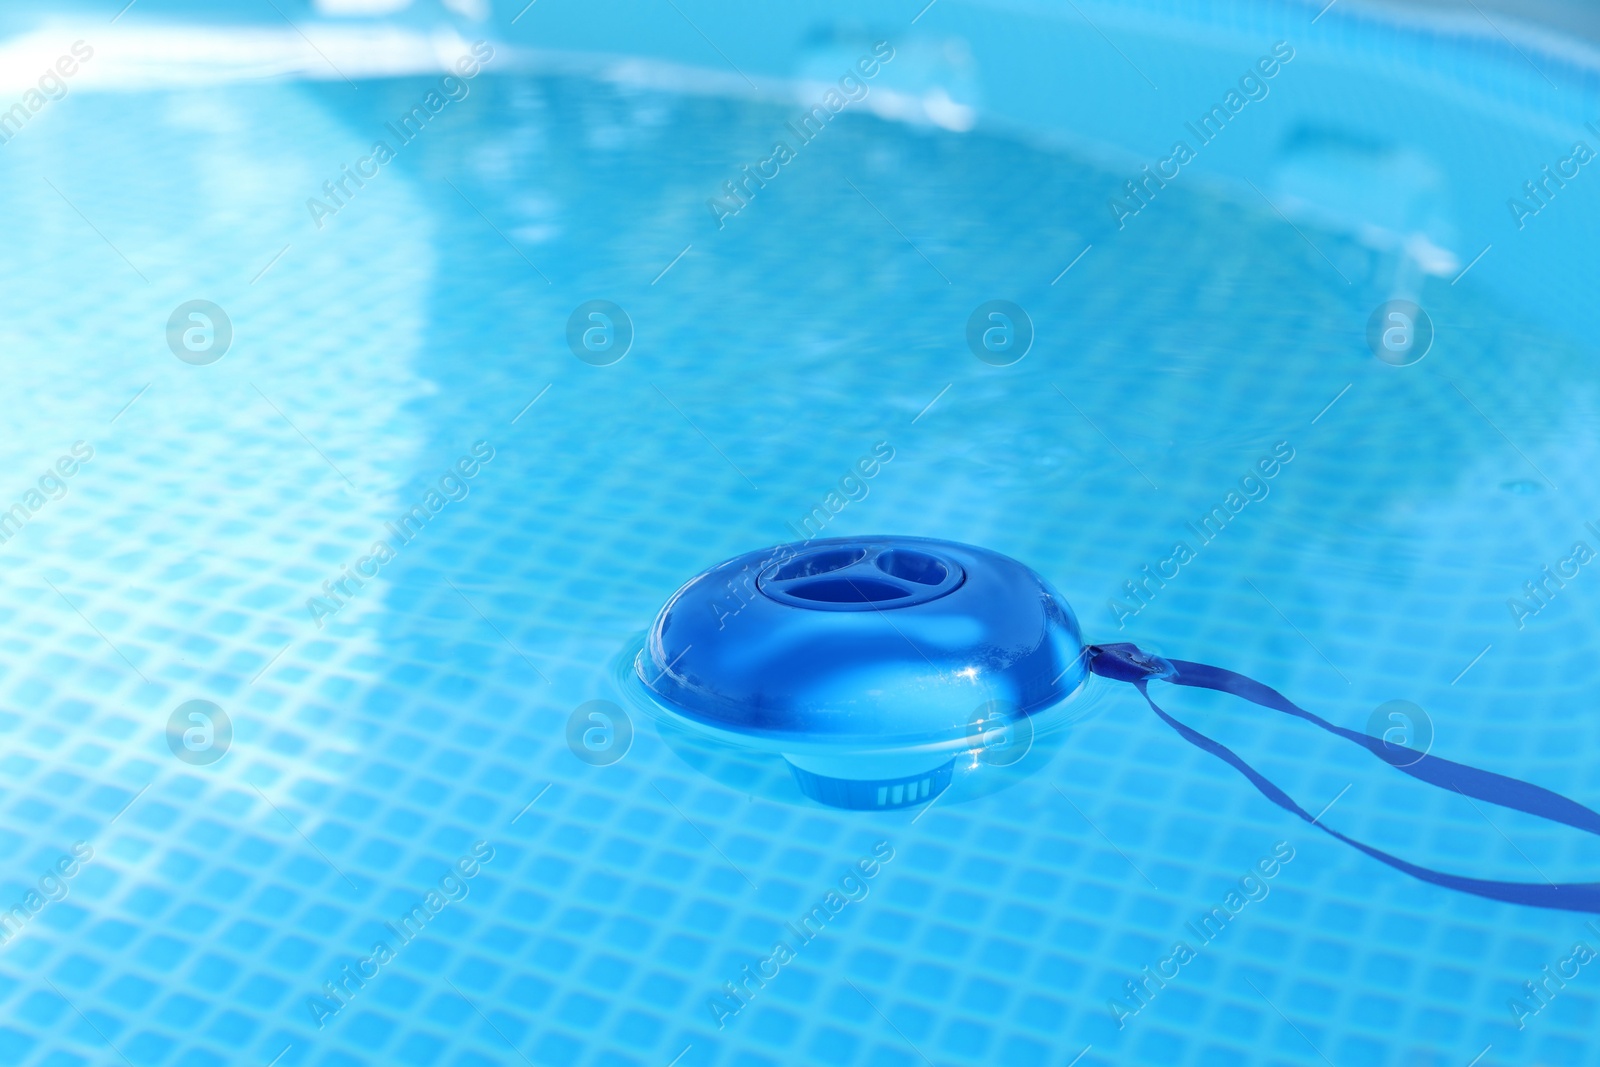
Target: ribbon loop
x=1128, y=663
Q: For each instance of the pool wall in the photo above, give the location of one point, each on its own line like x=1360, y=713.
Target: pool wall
x=1411, y=128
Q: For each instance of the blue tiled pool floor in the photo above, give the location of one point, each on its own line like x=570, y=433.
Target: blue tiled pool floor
x=427, y=714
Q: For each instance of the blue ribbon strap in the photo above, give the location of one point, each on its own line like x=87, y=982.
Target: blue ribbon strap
x=1128, y=663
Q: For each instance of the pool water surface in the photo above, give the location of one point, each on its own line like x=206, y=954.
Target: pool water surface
x=391, y=733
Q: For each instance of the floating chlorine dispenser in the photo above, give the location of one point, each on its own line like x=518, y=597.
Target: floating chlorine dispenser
x=874, y=666
x=869, y=664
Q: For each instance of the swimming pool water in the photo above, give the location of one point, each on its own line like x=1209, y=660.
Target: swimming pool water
x=428, y=713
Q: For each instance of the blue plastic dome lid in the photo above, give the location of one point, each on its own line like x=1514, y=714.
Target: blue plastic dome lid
x=861, y=658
